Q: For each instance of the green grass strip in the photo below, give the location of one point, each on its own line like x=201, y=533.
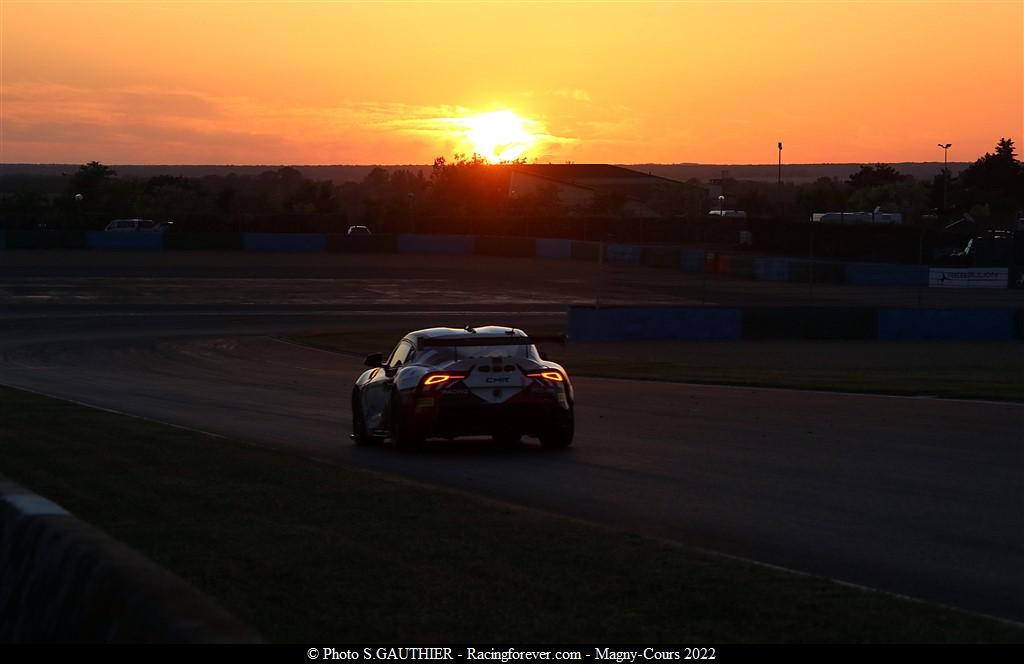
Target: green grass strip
x=305, y=551
x=965, y=383
x=969, y=371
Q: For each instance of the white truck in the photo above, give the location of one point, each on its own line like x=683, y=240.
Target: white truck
x=876, y=216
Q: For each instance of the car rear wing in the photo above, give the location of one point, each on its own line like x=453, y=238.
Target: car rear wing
x=448, y=342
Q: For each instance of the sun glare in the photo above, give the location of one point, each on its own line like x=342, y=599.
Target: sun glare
x=499, y=136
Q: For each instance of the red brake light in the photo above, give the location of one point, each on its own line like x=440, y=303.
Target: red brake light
x=549, y=375
x=435, y=379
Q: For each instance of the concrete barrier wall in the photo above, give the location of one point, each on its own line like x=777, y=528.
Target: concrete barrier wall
x=758, y=323
x=663, y=257
x=820, y=272
x=769, y=268
x=654, y=324
x=457, y=245
x=692, y=260
x=295, y=242
x=717, y=263
x=762, y=268
x=884, y=274
x=124, y=241
x=586, y=251
x=189, y=241
x=623, y=254
x=810, y=323
x=554, y=248
x=948, y=324
x=741, y=265
x=362, y=244
x=61, y=580
x=492, y=245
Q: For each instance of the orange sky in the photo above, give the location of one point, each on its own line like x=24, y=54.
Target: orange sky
x=361, y=83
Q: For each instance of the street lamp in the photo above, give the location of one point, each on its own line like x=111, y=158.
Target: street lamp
x=945, y=172
x=780, y=164
x=721, y=204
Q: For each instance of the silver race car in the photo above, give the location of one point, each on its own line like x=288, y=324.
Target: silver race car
x=445, y=382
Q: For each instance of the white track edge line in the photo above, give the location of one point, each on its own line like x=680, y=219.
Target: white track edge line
x=115, y=411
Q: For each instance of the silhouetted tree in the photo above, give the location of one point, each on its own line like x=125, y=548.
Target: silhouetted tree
x=94, y=182
x=468, y=194
x=995, y=183
x=823, y=195
x=999, y=172
x=875, y=176
x=907, y=197
x=91, y=176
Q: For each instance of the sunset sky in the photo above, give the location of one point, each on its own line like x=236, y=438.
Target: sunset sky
x=397, y=83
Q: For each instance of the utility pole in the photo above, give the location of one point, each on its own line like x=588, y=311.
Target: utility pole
x=782, y=206
x=780, y=165
x=945, y=173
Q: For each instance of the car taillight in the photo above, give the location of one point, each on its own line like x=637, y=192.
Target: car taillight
x=435, y=379
x=547, y=375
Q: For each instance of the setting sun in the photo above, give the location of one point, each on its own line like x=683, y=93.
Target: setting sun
x=500, y=136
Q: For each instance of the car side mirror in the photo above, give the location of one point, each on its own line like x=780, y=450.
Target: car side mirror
x=374, y=360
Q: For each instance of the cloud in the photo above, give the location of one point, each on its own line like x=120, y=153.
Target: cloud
x=54, y=122
x=573, y=93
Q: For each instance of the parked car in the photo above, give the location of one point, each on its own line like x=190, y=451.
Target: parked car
x=138, y=226
x=446, y=382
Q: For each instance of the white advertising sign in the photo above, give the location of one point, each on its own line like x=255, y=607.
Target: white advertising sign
x=961, y=277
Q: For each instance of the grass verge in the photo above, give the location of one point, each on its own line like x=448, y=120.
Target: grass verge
x=958, y=370
x=304, y=550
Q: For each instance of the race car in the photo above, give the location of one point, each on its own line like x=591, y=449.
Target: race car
x=445, y=382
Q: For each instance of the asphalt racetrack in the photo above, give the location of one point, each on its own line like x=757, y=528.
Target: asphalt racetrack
x=922, y=497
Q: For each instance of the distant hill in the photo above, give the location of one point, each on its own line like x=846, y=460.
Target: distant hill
x=337, y=174
x=798, y=173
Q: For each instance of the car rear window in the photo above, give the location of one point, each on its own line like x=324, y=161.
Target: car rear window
x=440, y=354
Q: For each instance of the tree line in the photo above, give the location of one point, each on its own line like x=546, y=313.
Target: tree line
x=990, y=191
x=467, y=195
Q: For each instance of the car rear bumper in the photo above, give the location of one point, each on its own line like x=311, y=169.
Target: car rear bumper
x=467, y=415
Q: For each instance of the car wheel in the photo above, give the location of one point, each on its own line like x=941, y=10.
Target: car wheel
x=359, y=434
x=402, y=434
x=559, y=436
